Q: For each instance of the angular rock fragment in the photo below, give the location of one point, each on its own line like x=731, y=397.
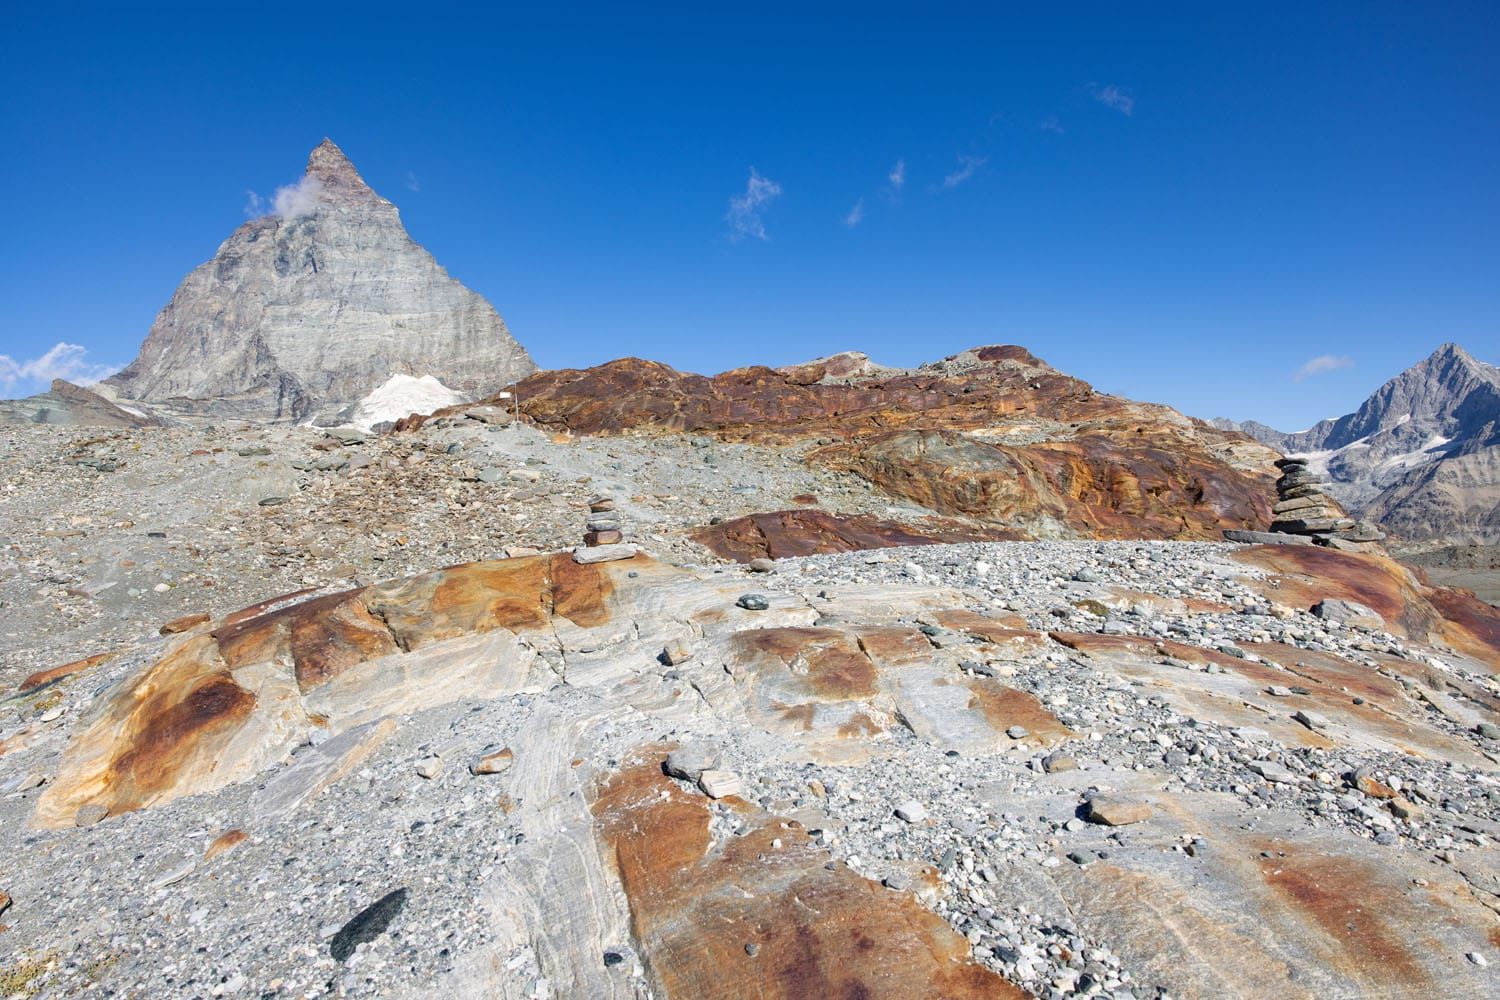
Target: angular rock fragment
x=1111, y=811
x=493, y=762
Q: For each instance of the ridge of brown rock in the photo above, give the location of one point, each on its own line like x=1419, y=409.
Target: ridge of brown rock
x=992, y=433
x=785, y=533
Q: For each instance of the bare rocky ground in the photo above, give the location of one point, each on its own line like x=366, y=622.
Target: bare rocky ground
x=1125, y=769
x=176, y=526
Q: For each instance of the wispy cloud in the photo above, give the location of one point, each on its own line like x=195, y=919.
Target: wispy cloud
x=744, y=215
x=856, y=214
x=897, y=176
x=967, y=165
x=1115, y=97
x=290, y=201
x=63, y=360
x=1051, y=124
x=412, y=184
x=1321, y=364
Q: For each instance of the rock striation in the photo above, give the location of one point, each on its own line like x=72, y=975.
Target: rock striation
x=304, y=312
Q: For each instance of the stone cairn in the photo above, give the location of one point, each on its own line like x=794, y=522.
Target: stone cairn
x=1303, y=509
x=603, y=526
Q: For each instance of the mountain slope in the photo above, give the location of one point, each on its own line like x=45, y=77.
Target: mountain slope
x=305, y=311
x=1421, y=455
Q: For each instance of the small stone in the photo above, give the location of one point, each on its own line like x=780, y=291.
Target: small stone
x=1374, y=789
x=612, y=959
x=594, y=539
x=271, y=501
x=90, y=814
x=900, y=881
x=762, y=565
x=1018, y=732
x=430, y=768
x=1346, y=612
x=4, y=902
x=690, y=761
x=1312, y=720
x=718, y=784
x=912, y=811
x=1403, y=808
x=496, y=762
x=752, y=949
x=52, y=714
x=1478, y=959
x=1111, y=811
x=601, y=505
x=677, y=651
x=754, y=602
x=1488, y=730
x=1059, y=762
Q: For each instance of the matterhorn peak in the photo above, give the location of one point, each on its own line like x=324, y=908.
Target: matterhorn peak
x=301, y=316
x=333, y=171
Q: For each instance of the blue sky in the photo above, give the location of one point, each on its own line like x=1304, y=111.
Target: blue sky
x=1176, y=203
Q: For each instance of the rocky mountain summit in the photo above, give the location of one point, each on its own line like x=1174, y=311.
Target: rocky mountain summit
x=305, y=311
x=1421, y=456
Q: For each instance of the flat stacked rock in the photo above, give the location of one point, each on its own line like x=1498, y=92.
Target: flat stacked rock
x=1303, y=509
x=603, y=524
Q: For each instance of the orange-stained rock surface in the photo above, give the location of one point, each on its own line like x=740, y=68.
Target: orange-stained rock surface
x=1301, y=576
x=993, y=434
x=696, y=904
x=43, y=677
x=788, y=533
x=223, y=704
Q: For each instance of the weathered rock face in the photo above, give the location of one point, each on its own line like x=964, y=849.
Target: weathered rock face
x=72, y=406
x=784, y=533
x=991, y=433
x=303, y=313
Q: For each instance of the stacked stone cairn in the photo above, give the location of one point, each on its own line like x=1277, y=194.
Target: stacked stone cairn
x=1303, y=509
x=603, y=524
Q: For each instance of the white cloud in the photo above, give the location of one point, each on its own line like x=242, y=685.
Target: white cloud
x=290, y=201
x=856, y=214
x=301, y=198
x=897, y=175
x=412, y=184
x=1051, y=124
x=1322, y=363
x=967, y=166
x=63, y=360
x=1115, y=97
x=744, y=215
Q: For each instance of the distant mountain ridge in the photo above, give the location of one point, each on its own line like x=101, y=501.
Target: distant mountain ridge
x=1421, y=455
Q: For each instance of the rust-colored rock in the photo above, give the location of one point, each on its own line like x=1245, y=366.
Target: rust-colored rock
x=43, y=677
x=788, y=533
x=1304, y=575
x=814, y=931
x=992, y=433
x=186, y=623
x=224, y=843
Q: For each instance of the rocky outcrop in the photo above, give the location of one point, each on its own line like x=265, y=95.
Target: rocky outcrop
x=785, y=533
x=305, y=311
x=992, y=433
x=864, y=789
x=72, y=405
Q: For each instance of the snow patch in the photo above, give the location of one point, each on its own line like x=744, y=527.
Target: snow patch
x=400, y=396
